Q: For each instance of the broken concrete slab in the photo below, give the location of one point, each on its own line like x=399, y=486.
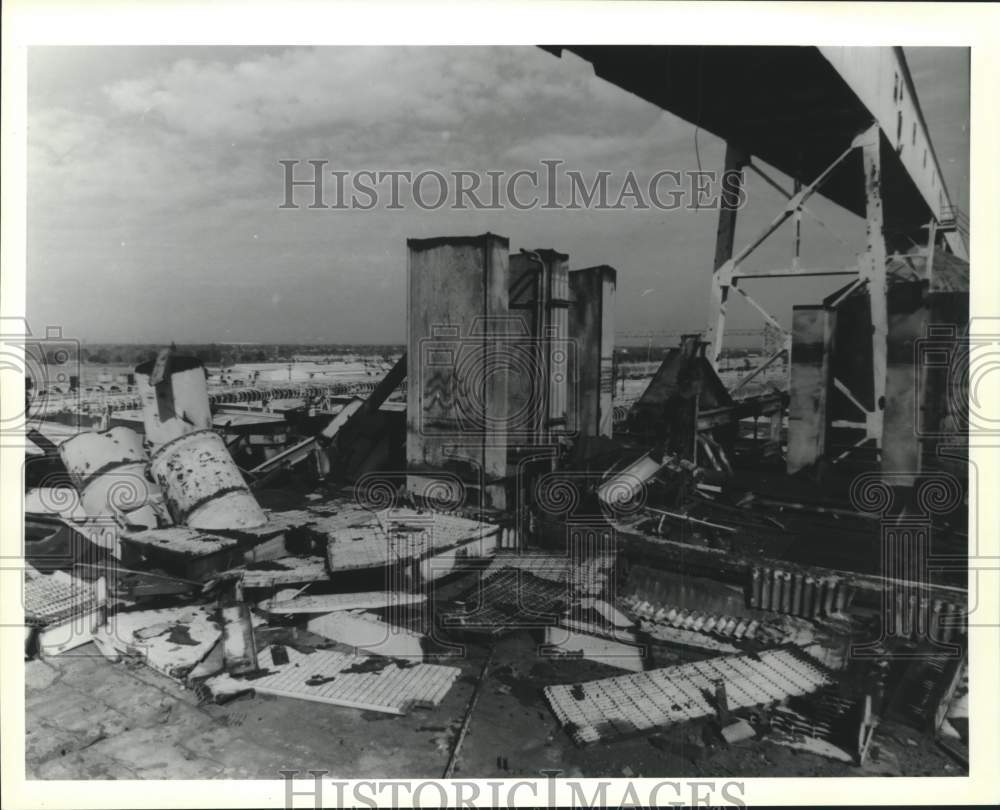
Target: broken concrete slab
x=186, y=635
x=358, y=681
x=213, y=663
x=564, y=641
x=396, y=535
x=284, y=571
x=368, y=634
x=330, y=602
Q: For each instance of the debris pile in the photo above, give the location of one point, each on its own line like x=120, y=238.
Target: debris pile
x=662, y=586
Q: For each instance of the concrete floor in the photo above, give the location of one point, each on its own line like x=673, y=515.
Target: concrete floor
x=91, y=719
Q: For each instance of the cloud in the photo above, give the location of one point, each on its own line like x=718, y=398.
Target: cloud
x=154, y=184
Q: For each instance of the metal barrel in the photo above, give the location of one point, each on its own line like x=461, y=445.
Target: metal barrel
x=765, y=588
x=786, y=592
x=776, y=583
x=840, y=602
x=828, y=598
x=911, y=614
x=755, y=588
x=817, y=605
x=923, y=620
x=808, y=595
x=898, y=614
x=935, y=620
x=947, y=621
x=202, y=486
x=796, y=602
x=109, y=470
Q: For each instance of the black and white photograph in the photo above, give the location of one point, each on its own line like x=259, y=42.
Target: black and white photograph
x=499, y=424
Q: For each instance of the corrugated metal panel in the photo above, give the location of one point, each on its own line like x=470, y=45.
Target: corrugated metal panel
x=642, y=702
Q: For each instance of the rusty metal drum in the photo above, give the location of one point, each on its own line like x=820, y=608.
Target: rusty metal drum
x=109, y=471
x=202, y=486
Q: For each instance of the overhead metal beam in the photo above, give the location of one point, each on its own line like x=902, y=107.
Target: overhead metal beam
x=794, y=108
x=881, y=80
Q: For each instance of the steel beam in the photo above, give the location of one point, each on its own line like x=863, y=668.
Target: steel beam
x=881, y=80
x=735, y=161
x=872, y=268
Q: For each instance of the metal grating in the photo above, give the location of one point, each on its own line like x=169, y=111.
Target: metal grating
x=343, y=679
x=588, y=575
x=643, y=702
x=509, y=600
x=52, y=598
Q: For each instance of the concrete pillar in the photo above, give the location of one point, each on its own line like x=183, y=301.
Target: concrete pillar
x=907, y=318
x=456, y=401
x=812, y=342
x=592, y=334
x=537, y=380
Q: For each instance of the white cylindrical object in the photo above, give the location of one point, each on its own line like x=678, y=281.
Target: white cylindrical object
x=202, y=485
x=177, y=406
x=109, y=470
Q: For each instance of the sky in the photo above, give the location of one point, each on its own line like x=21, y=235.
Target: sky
x=154, y=186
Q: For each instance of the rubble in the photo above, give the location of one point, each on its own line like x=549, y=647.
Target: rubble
x=346, y=583
x=283, y=571
x=367, y=633
x=328, y=603
x=651, y=701
x=170, y=640
x=62, y=611
x=239, y=651
x=343, y=679
x=622, y=651
x=404, y=535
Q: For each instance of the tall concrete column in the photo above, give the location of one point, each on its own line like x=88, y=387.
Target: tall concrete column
x=810, y=386
x=592, y=334
x=537, y=382
x=456, y=409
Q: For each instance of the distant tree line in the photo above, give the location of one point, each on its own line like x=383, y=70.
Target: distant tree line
x=229, y=354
